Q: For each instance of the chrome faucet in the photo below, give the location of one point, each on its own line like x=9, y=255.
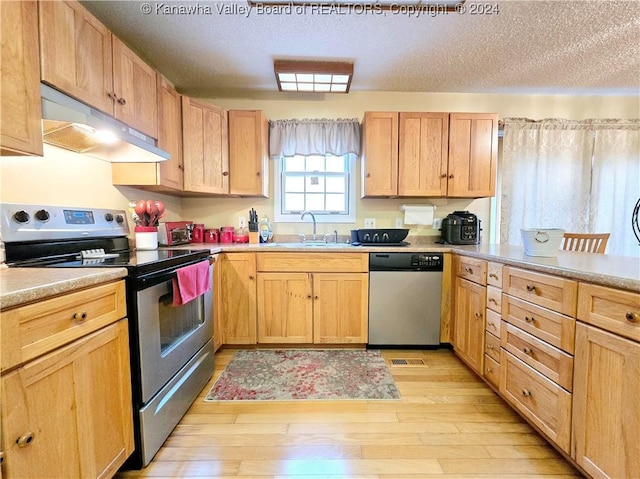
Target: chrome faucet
x=305, y=213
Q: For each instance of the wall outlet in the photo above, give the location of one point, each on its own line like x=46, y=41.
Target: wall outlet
x=398, y=222
x=242, y=222
x=369, y=222
x=437, y=223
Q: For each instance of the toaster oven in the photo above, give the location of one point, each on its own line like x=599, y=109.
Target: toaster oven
x=172, y=233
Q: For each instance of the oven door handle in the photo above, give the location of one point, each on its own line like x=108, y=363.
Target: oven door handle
x=157, y=277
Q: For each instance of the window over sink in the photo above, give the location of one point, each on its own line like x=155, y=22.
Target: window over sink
x=322, y=184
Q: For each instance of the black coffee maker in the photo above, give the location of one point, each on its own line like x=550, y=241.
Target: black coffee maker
x=461, y=227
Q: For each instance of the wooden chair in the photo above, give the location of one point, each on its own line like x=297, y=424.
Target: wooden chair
x=585, y=242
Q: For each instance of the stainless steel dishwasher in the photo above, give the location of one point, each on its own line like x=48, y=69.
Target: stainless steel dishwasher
x=405, y=292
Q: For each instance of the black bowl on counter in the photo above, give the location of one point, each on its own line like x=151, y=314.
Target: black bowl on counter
x=379, y=235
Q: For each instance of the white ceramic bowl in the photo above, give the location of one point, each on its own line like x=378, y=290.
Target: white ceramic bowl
x=541, y=241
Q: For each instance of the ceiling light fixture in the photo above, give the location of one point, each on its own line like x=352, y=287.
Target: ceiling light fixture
x=313, y=76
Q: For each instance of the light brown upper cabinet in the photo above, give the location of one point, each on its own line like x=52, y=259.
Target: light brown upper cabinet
x=422, y=165
x=473, y=154
x=134, y=84
x=205, y=147
x=166, y=176
x=429, y=154
x=248, y=153
x=380, y=154
x=21, y=112
x=81, y=57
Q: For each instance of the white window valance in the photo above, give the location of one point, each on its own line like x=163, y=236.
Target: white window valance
x=314, y=137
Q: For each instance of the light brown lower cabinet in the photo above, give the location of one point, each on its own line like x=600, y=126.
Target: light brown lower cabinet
x=323, y=308
x=469, y=324
x=237, y=305
x=68, y=413
x=537, y=398
x=606, y=410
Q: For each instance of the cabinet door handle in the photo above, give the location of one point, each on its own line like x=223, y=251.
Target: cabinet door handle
x=531, y=287
x=443, y=175
x=1, y=457
x=478, y=315
x=528, y=351
x=316, y=297
x=450, y=176
x=225, y=173
x=258, y=174
x=529, y=320
x=251, y=277
x=80, y=317
x=111, y=95
x=122, y=101
x=368, y=175
x=632, y=317
x=308, y=296
x=25, y=440
x=526, y=393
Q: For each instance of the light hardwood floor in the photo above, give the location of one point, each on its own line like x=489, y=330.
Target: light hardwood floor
x=448, y=424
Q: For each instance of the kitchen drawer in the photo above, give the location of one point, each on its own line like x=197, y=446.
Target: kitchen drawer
x=494, y=298
x=492, y=371
x=472, y=269
x=551, y=292
x=493, y=323
x=35, y=329
x=305, y=262
x=492, y=346
x=611, y=309
x=537, y=398
x=548, y=360
x=554, y=328
x=494, y=274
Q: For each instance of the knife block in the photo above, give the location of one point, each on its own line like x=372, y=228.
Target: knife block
x=254, y=237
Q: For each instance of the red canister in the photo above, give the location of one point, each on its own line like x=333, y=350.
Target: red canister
x=211, y=236
x=198, y=233
x=226, y=234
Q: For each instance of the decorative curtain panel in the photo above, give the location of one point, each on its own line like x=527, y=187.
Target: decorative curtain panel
x=616, y=183
x=314, y=137
x=546, y=173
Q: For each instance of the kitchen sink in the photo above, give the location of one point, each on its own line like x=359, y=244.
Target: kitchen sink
x=310, y=244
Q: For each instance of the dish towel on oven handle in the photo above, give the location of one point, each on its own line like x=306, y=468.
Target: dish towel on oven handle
x=190, y=282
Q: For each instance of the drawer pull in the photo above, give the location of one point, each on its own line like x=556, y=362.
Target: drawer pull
x=25, y=439
x=490, y=347
x=79, y=318
x=493, y=275
x=489, y=370
x=492, y=326
x=529, y=320
x=632, y=317
x=526, y=393
x=493, y=300
x=468, y=270
x=478, y=315
x=531, y=287
x=528, y=351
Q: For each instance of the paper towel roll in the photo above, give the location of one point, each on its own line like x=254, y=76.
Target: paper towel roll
x=418, y=214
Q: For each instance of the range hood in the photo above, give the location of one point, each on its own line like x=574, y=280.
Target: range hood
x=70, y=124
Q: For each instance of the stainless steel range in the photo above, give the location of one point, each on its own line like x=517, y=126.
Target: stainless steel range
x=171, y=346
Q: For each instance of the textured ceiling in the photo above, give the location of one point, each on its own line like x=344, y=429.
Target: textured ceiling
x=522, y=47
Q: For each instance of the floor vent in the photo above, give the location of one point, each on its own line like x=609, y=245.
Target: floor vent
x=407, y=362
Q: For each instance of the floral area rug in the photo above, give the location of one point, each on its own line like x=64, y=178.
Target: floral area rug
x=288, y=374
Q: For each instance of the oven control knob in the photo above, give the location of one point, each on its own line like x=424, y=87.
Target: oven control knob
x=108, y=217
x=21, y=216
x=42, y=215
x=119, y=219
